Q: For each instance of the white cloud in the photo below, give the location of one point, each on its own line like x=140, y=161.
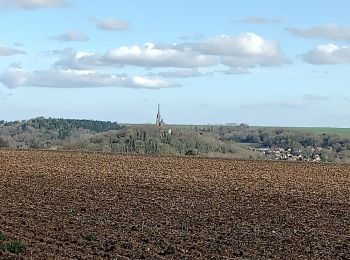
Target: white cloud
x=330, y=31
x=17, y=77
x=328, y=54
x=13, y=77
x=76, y=60
x=151, y=55
x=246, y=44
x=147, y=56
x=113, y=25
x=153, y=83
x=71, y=36
x=244, y=51
x=6, y=51
x=260, y=20
x=33, y=4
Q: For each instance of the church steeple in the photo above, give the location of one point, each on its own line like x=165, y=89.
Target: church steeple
x=159, y=120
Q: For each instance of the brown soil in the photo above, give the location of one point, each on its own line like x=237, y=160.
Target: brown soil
x=71, y=205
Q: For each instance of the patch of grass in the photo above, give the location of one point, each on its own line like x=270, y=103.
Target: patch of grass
x=90, y=237
x=2, y=236
x=16, y=247
x=343, y=132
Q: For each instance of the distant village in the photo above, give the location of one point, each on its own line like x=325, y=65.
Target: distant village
x=291, y=154
x=276, y=153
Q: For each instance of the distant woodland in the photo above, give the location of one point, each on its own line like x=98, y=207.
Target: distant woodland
x=232, y=141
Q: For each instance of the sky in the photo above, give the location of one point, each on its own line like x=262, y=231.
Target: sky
x=269, y=63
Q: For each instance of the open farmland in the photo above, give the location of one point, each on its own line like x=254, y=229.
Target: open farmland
x=102, y=206
x=343, y=132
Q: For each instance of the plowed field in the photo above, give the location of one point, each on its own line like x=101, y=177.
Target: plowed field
x=71, y=205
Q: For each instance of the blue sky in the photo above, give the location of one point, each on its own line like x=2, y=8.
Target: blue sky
x=269, y=62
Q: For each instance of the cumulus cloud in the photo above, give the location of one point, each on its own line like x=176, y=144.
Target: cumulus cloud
x=113, y=24
x=328, y=54
x=330, y=31
x=151, y=55
x=260, y=20
x=14, y=76
x=33, y=4
x=71, y=36
x=6, y=51
x=244, y=51
x=75, y=60
x=17, y=77
x=246, y=44
x=148, y=56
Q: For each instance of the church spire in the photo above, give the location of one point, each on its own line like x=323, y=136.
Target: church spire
x=159, y=120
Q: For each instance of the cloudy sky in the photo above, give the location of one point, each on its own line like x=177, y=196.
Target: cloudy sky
x=270, y=62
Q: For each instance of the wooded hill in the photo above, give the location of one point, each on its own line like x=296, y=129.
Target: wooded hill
x=239, y=141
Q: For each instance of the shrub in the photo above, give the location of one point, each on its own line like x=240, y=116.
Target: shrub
x=190, y=152
x=90, y=237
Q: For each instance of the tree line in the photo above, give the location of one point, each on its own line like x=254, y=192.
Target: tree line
x=284, y=138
